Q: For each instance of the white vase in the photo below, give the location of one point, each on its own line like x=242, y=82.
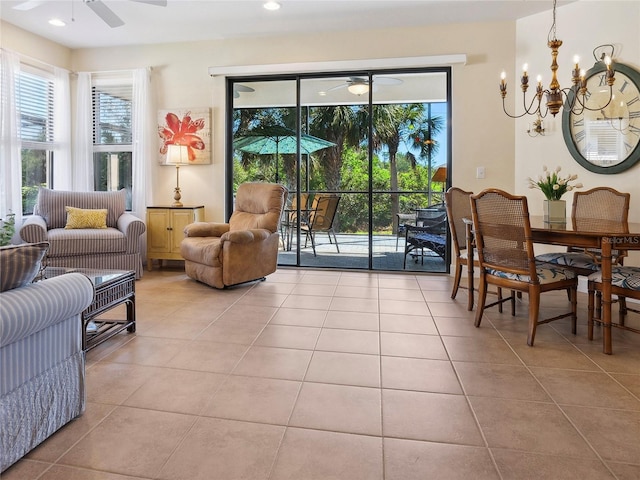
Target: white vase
x=555, y=211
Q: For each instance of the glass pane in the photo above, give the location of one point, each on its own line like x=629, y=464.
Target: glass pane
x=34, y=175
x=264, y=132
x=113, y=171
x=35, y=104
x=112, y=114
x=409, y=143
x=378, y=174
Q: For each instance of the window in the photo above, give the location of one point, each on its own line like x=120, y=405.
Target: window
x=112, y=137
x=35, y=106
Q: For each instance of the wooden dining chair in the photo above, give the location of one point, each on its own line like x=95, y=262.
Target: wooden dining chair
x=625, y=283
x=458, y=208
x=507, y=260
x=601, y=209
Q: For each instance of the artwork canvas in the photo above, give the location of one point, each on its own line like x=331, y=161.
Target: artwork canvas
x=186, y=126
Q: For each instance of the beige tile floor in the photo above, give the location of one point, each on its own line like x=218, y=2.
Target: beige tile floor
x=345, y=375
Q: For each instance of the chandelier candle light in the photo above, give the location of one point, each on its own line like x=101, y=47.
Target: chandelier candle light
x=553, y=186
x=177, y=155
x=574, y=98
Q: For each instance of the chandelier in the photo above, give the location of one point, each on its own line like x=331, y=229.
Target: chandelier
x=573, y=98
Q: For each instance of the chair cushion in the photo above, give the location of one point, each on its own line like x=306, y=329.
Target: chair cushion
x=83, y=241
x=202, y=250
x=547, y=273
x=86, y=218
x=20, y=264
x=622, y=277
x=570, y=259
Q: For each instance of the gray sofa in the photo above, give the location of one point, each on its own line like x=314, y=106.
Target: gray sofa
x=41, y=359
x=115, y=247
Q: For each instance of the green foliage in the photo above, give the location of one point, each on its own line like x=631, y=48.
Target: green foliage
x=7, y=229
x=29, y=197
x=403, y=138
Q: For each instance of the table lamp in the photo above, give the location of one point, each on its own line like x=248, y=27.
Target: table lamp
x=177, y=155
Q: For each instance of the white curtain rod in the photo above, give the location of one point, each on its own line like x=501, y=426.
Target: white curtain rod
x=113, y=71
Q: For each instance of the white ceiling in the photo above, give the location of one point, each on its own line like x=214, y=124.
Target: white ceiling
x=194, y=20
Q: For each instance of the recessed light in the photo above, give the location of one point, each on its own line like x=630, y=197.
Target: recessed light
x=271, y=5
x=56, y=22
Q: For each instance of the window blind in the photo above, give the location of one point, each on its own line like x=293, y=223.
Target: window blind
x=112, y=113
x=35, y=104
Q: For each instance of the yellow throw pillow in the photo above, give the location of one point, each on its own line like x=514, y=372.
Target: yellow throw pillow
x=86, y=218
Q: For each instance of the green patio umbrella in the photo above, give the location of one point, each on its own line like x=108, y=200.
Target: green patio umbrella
x=276, y=139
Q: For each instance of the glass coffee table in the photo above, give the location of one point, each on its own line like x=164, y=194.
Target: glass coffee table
x=112, y=288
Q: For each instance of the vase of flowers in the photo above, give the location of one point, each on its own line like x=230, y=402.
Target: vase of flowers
x=553, y=186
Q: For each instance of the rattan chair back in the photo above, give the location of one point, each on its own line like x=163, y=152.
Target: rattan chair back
x=601, y=209
x=503, y=232
x=458, y=207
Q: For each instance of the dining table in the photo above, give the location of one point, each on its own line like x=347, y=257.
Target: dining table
x=564, y=234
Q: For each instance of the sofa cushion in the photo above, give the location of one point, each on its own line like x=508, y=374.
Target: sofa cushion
x=51, y=205
x=64, y=242
x=86, y=218
x=19, y=264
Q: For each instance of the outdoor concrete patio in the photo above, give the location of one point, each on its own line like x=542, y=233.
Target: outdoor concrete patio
x=354, y=254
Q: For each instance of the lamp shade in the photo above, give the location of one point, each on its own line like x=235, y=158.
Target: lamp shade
x=440, y=175
x=177, y=155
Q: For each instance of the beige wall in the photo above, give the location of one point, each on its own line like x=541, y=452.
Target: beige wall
x=612, y=22
x=33, y=46
x=180, y=76
x=600, y=23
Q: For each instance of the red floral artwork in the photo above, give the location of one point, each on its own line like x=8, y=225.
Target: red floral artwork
x=182, y=132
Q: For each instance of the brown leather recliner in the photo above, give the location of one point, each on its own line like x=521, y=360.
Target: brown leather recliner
x=246, y=248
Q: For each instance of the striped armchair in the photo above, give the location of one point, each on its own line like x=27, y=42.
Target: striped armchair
x=41, y=360
x=115, y=247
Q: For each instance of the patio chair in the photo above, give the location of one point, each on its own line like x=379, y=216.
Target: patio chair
x=321, y=217
x=429, y=232
x=507, y=260
x=289, y=221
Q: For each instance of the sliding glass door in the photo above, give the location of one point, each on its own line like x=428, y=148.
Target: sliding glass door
x=363, y=154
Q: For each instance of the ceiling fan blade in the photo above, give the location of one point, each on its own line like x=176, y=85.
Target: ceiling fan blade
x=28, y=5
x=159, y=3
x=337, y=87
x=386, y=81
x=242, y=88
x=105, y=13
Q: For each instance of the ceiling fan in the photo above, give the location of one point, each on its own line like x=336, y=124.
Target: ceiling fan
x=360, y=85
x=98, y=7
x=239, y=88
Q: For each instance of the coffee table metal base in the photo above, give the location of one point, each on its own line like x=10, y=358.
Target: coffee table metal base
x=109, y=295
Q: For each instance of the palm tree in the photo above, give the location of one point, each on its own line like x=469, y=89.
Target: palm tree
x=423, y=141
x=340, y=125
x=393, y=124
